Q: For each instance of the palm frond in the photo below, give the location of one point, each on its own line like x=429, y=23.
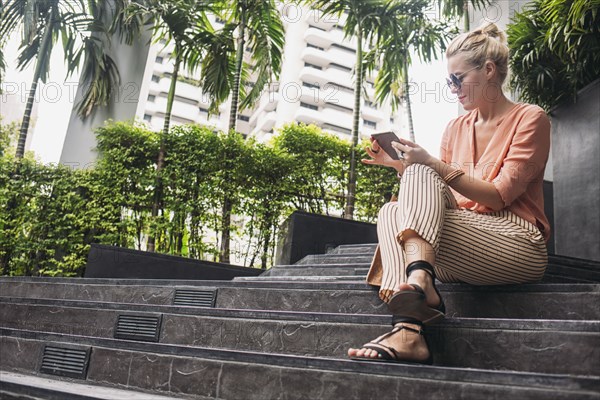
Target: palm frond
x=99, y=77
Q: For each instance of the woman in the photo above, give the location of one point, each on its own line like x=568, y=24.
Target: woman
x=476, y=215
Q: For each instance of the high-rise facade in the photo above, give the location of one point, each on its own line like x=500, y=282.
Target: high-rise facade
x=316, y=85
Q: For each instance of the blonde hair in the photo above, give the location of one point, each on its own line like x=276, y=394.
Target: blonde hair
x=487, y=42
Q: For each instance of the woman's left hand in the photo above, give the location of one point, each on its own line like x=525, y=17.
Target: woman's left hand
x=413, y=153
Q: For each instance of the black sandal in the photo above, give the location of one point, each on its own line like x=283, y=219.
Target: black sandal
x=389, y=354
x=412, y=304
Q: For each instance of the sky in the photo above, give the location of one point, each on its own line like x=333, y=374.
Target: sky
x=433, y=105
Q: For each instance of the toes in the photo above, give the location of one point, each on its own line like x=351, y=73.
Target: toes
x=369, y=353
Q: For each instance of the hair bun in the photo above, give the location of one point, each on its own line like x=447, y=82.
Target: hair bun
x=491, y=29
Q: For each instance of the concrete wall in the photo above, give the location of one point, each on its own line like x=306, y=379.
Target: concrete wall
x=576, y=153
x=79, y=149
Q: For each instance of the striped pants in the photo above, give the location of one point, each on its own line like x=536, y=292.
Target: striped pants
x=477, y=248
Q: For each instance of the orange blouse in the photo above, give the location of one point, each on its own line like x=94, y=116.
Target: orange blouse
x=514, y=160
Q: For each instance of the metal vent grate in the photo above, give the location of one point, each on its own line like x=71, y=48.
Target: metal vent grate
x=195, y=298
x=138, y=327
x=71, y=362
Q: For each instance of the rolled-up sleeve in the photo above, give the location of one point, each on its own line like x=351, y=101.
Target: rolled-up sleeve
x=526, y=158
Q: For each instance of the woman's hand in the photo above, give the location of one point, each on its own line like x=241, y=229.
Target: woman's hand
x=413, y=153
x=380, y=157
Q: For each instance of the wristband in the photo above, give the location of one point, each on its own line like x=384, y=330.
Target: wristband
x=453, y=175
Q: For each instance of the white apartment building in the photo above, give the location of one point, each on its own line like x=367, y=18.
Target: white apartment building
x=316, y=85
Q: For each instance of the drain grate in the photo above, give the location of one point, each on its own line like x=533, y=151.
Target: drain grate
x=65, y=361
x=138, y=327
x=195, y=298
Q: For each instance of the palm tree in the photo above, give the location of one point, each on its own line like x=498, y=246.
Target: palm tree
x=179, y=22
x=81, y=25
x=411, y=31
x=460, y=8
x=365, y=20
x=252, y=27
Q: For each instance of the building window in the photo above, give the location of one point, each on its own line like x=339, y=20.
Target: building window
x=159, y=59
x=155, y=78
x=151, y=97
x=244, y=118
x=311, y=85
x=370, y=124
x=337, y=128
x=309, y=106
x=392, y=121
x=314, y=47
x=312, y=66
x=338, y=66
x=369, y=103
x=220, y=21
x=338, y=107
x=316, y=27
x=147, y=117
x=344, y=48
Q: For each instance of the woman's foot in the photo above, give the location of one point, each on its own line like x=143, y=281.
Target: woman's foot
x=425, y=281
x=407, y=344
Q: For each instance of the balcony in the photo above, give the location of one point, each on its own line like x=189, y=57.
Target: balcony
x=314, y=76
x=317, y=19
x=266, y=121
x=372, y=114
x=337, y=117
x=342, y=57
x=308, y=116
x=315, y=56
x=318, y=37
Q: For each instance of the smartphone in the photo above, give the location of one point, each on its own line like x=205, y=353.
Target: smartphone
x=385, y=140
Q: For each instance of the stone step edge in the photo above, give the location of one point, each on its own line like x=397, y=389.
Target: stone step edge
x=67, y=389
x=371, y=253
x=311, y=285
x=579, y=326
x=576, y=383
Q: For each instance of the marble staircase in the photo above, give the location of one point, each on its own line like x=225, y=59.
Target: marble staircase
x=285, y=335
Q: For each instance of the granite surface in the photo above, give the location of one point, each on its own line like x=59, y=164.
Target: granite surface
x=179, y=374
x=514, y=345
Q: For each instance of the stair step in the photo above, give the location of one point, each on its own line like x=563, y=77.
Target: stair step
x=336, y=259
x=286, y=333
x=310, y=270
x=15, y=386
x=535, y=301
x=181, y=370
x=525, y=345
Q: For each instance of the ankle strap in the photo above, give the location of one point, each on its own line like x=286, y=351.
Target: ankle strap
x=400, y=326
x=398, y=319
x=420, y=265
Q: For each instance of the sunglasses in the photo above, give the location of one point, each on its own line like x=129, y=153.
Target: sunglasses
x=456, y=80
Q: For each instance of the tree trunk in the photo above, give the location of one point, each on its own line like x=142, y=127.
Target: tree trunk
x=41, y=60
x=467, y=24
x=349, y=212
x=411, y=128
x=237, y=77
x=235, y=95
x=158, y=189
x=15, y=173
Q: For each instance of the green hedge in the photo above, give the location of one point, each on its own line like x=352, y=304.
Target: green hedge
x=53, y=213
